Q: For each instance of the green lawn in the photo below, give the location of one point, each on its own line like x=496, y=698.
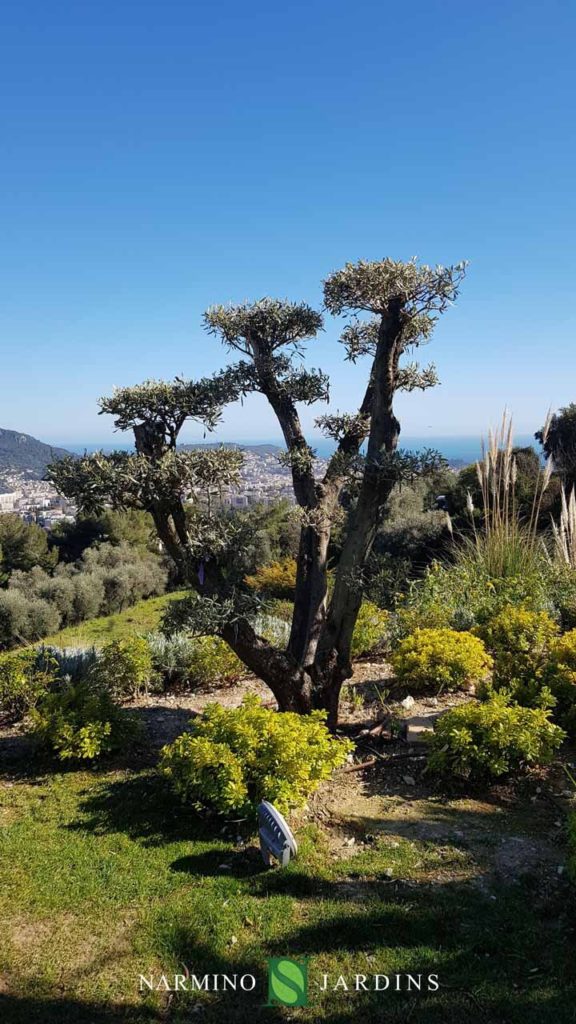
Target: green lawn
x=104, y=877
x=140, y=618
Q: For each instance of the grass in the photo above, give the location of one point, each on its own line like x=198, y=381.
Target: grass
x=104, y=877
x=142, y=617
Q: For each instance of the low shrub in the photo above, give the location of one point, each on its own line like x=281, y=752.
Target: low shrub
x=560, y=677
x=466, y=595
x=273, y=628
x=23, y=681
x=124, y=667
x=370, y=630
x=442, y=659
x=212, y=661
x=80, y=722
x=519, y=641
x=478, y=743
x=233, y=758
x=282, y=608
x=275, y=580
x=73, y=662
x=181, y=660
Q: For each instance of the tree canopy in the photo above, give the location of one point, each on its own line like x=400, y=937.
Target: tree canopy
x=178, y=487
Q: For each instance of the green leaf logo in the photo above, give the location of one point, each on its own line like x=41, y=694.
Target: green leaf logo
x=287, y=982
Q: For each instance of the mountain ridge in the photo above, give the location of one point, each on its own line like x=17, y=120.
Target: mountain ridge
x=24, y=455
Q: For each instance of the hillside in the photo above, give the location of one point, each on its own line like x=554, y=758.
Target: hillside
x=25, y=456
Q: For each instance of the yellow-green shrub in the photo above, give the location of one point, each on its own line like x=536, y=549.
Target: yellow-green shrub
x=124, y=667
x=212, y=660
x=370, y=629
x=560, y=678
x=441, y=659
x=519, y=640
x=80, y=722
x=275, y=580
x=481, y=742
x=233, y=758
x=23, y=681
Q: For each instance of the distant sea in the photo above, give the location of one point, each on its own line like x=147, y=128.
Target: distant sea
x=463, y=449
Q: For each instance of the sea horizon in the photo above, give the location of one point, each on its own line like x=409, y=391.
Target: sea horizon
x=465, y=448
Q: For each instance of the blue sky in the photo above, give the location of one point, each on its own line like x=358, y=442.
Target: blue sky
x=159, y=157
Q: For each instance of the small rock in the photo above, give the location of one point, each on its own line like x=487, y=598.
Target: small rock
x=388, y=872
x=409, y=780
x=224, y=867
x=560, y=869
x=408, y=702
x=233, y=940
x=349, y=842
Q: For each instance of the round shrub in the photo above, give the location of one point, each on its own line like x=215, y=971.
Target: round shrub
x=478, y=743
x=370, y=630
x=441, y=659
x=519, y=641
x=233, y=758
x=124, y=667
x=80, y=722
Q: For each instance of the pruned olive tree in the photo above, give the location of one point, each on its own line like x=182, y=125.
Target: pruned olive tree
x=393, y=308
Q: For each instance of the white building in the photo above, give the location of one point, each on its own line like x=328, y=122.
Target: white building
x=8, y=500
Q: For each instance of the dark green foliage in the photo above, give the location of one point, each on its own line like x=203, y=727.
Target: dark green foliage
x=558, y=440
x=134, y=527
x=23, y=545
x=528, y=475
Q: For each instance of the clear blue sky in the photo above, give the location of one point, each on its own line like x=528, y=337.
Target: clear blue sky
x=159, y=157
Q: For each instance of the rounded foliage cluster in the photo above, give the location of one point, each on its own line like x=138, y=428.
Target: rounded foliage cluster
x=80, y=722
x=233, y=758
x=441, y=659
x=478, y=743
x=519, y=640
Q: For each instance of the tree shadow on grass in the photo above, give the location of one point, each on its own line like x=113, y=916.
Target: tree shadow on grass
x=484, y=953
x=144, y=808
x=21, y=759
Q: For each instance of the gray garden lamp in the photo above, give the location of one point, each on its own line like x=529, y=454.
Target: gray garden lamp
x=277, y=840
